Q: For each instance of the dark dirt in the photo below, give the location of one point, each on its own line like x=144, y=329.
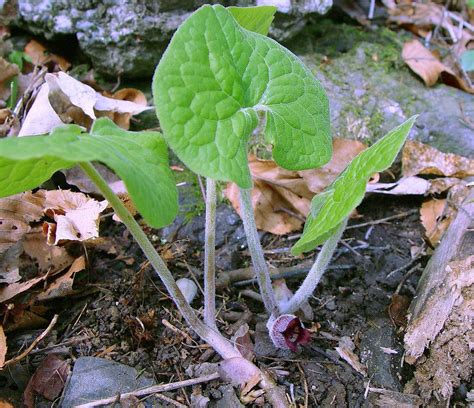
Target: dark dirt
x=119, y=314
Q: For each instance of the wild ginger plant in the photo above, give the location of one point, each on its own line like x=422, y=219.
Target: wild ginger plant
x=219, y=78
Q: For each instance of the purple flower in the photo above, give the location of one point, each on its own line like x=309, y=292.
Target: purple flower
x=287, y=332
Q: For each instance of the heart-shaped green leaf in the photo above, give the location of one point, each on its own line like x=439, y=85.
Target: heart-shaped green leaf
x=331, y=207
x=257, y=19
x=211, y=82
x=139, y=158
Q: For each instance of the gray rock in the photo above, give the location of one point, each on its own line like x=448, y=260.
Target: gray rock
x=382, y=366
x=128, y=37
x=229, y=399
x=369, y=98
x=95, y=378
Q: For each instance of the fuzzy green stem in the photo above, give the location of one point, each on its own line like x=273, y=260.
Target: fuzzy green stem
x=210, y=255
x=316, y=272
x=223, y=346
x=259, y=265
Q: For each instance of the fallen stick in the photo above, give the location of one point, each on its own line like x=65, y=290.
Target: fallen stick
x=151, y=390
x=440, y=285
x=245, y=276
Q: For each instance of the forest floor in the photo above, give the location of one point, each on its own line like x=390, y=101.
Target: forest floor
x=119, y=311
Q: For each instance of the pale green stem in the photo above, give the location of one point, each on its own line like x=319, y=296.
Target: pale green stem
x=316, y=272
x=222, y=346
x=258, y=260
x=210, y=255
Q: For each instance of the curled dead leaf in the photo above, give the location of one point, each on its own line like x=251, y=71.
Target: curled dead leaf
x=435, y=215
x=62, y=286
x=419, y=158
x=423, y=62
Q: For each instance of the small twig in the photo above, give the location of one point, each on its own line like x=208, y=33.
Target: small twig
x=151, y=390
x=201, y=187
x=32, y=345
x=170, y=401
x=382, y=220
x=305, y=385
x=174, y=329
x=406, y=276
x=69, y=342
x=252, y=295
x=403, y=267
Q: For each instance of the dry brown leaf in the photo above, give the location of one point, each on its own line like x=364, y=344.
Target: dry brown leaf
x=10, y=264
x=41, y=56
x=398, y=309
x=282, y=198
x=16, y=214
x=14, y=289
x=25, y=320
x=76, y=215
x=426, y=19
x=3, y=346
x=243, y=342
x=419, y=158
x=50, y=259
x=345, y=350
x=48, y=380
x=5, y=404
x=62, y=286
x=7, y=72
x=435, y=215
x=423, y=62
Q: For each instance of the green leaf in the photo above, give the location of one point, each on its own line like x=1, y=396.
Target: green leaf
x=139, y=158
x=211, y=82
x=257, y=19
x=467, y=60
x=331, y=207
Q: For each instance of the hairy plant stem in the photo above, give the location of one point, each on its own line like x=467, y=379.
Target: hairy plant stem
x=256, y=252
x=316, y=272
x=222, y=346
x=210, y=255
